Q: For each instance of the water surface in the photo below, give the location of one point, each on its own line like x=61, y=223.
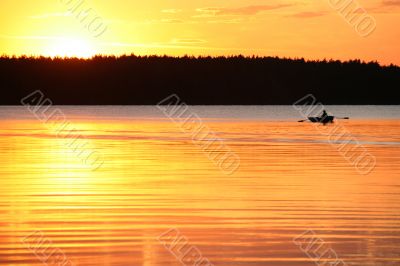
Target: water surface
x=291, y=178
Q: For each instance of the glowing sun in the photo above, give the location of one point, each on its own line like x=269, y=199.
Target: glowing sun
x=68, y=47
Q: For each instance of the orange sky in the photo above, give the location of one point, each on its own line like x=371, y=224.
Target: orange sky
x=310, y=29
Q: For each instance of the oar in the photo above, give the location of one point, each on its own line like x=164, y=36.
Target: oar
x=301, y=121
x=343, y=117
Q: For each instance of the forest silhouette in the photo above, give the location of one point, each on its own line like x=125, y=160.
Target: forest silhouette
x=234, y=80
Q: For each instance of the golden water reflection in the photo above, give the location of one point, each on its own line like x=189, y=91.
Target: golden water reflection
x=154, y=178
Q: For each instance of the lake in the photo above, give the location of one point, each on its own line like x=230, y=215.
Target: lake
x=105, y=185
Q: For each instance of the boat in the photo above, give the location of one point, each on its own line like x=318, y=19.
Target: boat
x=324, y=119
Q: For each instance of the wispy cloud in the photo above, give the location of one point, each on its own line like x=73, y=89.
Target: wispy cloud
x=225, y=21
x=167, y=45
x=246, y=10
x=309, y=14
x=188, y=41
x=385, y=7
x=163, y=21
x=51, y=15
x=32, y=37
x=391, y=2
x=176, y=44
x=171, y=11
x=171, y=21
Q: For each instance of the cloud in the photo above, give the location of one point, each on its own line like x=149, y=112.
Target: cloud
x=51, y=15
x=225, y=21
x=171, y=21
x=179, y=45
x=163, y=21
x=173, y=44
x=188, y=41
x=385, y=7
x=246, y=10
x=171, y=11
x=308, y=14
x=32, y=37
x=391, y=2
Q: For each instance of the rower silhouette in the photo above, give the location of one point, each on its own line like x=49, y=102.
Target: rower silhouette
x=324, y=118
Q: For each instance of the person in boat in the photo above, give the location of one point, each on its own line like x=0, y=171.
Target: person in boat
x=324, y=114
x=325, y=118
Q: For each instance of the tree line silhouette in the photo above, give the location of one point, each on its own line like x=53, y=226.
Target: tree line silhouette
x=131, y=79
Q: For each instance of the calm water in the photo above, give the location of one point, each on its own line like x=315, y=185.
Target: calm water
x=290, y=179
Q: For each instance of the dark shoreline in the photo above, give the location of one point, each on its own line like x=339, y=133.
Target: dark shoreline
x=236, y=80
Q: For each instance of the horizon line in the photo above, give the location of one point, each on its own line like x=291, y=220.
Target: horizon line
x=232, y=56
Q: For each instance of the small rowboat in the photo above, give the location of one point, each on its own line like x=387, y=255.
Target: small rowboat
x=324, y=120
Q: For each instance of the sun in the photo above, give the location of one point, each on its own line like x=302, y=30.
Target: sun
x=70, y=47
